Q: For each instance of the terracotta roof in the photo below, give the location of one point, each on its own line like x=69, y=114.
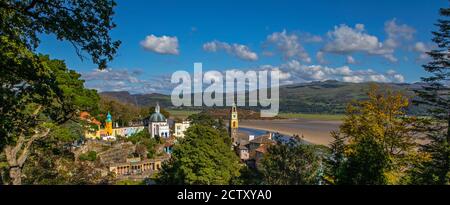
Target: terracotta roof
x=262, y=149
x=96, y=121
x=263, y=139
x=84, y=115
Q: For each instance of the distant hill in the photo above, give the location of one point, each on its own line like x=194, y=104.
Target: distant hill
x=331, y=97
x=328, y=97
x=140, y=99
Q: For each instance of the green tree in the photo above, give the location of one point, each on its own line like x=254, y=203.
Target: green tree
x=122, y=113
x=291, y=164
x=202, y=157
x=203, y=118
x=435, y=94
x=34, y=107
x=36, y=93
x=376, y=143
x=144, y=139
x=52, y=162
x=84, y=23
x=147, y=111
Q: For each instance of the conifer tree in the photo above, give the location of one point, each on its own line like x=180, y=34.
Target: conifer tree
x=435, y=95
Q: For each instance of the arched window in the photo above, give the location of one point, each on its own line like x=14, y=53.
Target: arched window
x=234, y=123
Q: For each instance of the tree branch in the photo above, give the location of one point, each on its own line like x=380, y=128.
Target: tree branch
x=26, y=150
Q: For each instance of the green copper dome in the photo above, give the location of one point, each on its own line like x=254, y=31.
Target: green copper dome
x=157, y=116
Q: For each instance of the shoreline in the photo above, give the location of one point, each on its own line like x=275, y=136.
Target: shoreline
x=313, y=131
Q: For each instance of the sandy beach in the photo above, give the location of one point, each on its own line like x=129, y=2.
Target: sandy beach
x=314, y=131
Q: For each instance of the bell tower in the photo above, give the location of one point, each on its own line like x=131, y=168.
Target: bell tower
x=234, y=124
x=108, y=125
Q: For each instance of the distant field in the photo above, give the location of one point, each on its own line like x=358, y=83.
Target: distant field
x=312, y=116
x=182, y=113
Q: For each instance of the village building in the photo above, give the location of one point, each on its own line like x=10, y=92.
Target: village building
x=136, y=166
x=109, y=133
x=180, y=128
x=234, y=125
x=158, y=125
x=249, y=148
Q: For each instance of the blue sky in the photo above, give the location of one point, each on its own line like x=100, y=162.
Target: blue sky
x=345, y=40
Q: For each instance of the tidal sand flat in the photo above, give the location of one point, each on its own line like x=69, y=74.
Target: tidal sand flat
x=313, y=131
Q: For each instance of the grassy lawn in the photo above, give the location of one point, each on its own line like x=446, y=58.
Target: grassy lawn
x=312, y=116
x=129, y=182
x=182, y=113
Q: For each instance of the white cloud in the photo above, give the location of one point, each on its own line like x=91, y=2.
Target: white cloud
x=124, y=80
x=240, y=51
x=112, y=75
x=308, y=73
x=350, y=60
x=161, y=45
x=421, y=48
x=289, y=45
x=345, y=40
x=320, y=56
x=398, y=32
x=310, y=38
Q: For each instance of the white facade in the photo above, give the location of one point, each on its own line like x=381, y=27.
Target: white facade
x=180, y=127
x=158, y=125
x=160, y=129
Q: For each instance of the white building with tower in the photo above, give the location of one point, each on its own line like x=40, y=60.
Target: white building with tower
x=158, y=125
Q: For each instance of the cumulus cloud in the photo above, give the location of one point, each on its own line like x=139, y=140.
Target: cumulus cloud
x=310, y=38
x=345, y=40
x=124, y=80
x=307, y=73
x=289, y=45
x=241, y=51
x=320, y=56
x=398, y=32
x=162, y=45
x=421, y=48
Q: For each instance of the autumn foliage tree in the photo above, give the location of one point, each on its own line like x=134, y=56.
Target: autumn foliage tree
x=376, y=142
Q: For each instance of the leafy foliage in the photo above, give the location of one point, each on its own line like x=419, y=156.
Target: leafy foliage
x=38, y=93
x=291, y=164
x=435, y=94
x=376, y=142
x=52, y=162
x=90, y=156
x=85, y=24
x=202, y=157
x=145, y=144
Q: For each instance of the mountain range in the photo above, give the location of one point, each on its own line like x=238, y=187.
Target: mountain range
x=327, y=97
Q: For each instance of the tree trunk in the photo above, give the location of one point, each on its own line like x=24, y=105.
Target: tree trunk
x=16, y=175
x=17, y=155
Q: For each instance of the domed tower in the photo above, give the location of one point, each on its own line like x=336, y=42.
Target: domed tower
x=233, y=127
x=158, y=125
x=108, y=124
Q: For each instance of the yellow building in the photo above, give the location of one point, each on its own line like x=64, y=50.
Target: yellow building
x=234, y=124
x=108, y=125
